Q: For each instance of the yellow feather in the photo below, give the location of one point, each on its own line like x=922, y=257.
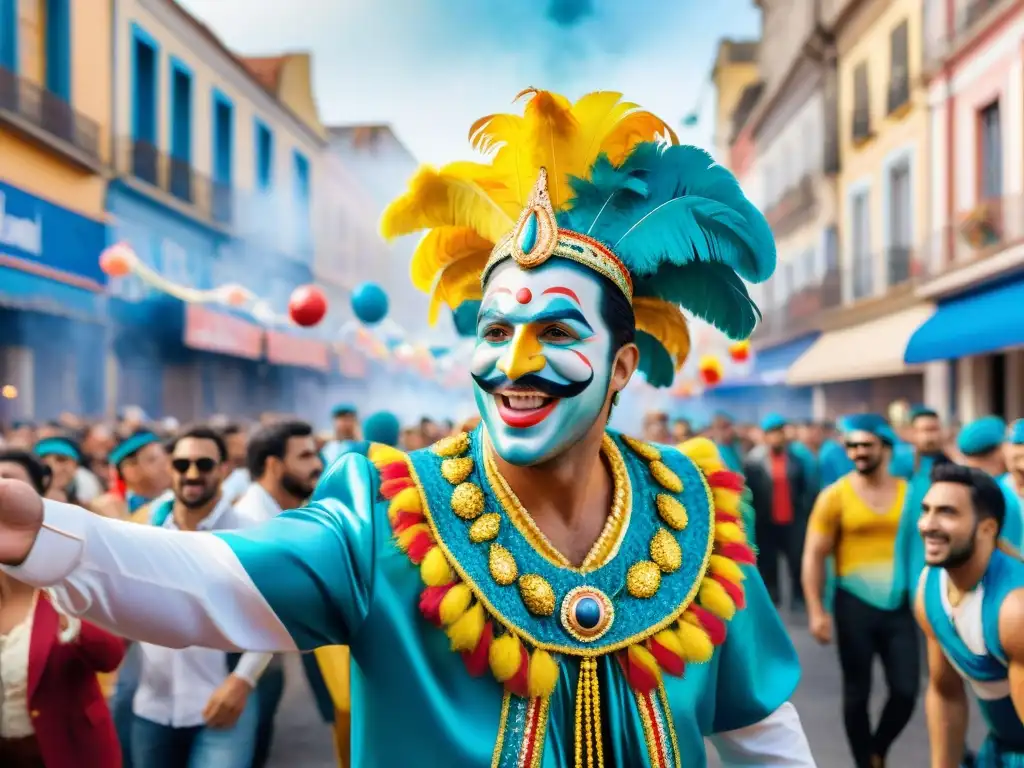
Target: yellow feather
x=447, y=198
x=505, y=656
x=551, y=131
x=542, y=675
x=459, y=282
x=727, y=500
x=434, y=570
x=714, y=598
x=729, y=533
x=601, y=116
x=702, y=452
x=455, y=603
x=465, y=633
x=442, y=247
x=694, y=644
x=666, y=323
x=727, y=569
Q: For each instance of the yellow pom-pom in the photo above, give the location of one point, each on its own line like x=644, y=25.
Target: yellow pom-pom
x=726, y=568
x=726, y=500
x=455, y=603
x=542, y=676
x=714, y=598
x=694, y=644
x=404, y=539
x=505, y=656
x=434, y=569
x=702, y=452
x=729, y=533
x=669, y=640
x=465, y=632
x=644, y=658
x=381, y=455
x=407, y=500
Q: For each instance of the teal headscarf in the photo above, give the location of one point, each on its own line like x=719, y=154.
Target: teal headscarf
x=981, y=436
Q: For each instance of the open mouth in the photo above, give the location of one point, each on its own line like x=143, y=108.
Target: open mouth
x=522, y=410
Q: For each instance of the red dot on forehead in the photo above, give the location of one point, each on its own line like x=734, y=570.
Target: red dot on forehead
x=524, y=296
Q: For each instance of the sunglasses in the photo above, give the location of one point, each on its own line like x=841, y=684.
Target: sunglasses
x=204, y=465
x=854, y=446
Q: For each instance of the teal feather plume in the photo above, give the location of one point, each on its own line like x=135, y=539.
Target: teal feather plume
x=655, y=362
x=464, y=318
x=683, y=228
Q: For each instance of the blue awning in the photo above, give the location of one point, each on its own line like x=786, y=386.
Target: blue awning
x=27, y=292
x=976, y=324
x=770, y=365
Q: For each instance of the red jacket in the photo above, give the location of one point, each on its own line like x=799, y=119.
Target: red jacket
x=73, y=724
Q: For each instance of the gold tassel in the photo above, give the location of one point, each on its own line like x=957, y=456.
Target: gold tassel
x=589, y=746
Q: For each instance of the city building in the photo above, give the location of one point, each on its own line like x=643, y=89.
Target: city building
x=881, y=212
x=55, y=74
x=974, y=263
x=215, y=177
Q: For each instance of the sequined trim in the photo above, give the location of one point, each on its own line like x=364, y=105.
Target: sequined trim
x=659, y=733
x=522, y=732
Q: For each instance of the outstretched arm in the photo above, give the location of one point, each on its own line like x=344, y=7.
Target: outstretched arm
x=945, y=701
x=297, y=582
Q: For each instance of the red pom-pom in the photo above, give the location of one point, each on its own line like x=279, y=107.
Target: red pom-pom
x=430, y=603
x=419, y=546
x=736, y=552
x=670, y=663
x=405, y=520
x=391, y=488
x=476, y=660
x=714, y=626
x=735, y=591
x=725, y=479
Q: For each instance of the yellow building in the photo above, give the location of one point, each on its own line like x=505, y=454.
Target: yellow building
x=734, y=71
x=55, y=102
x=882, y=212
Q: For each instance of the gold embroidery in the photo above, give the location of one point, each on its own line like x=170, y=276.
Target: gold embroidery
x=571, y=620
x=643, y=579
x=456, y=470
x=502, y=565
x=485, y=528
x=642, y=449
x=499, y=744
x=671, y=510
x=669, y=725
x=666, y=477
x=537, y=594
x=666, y=552
x=455, y=445
x=467, y=501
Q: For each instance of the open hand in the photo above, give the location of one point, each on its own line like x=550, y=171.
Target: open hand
x=227, y=703
x=21, y=517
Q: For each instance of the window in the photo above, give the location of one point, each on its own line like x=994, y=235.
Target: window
x=181, y=132
x=58, y=48
x=861, y=103
x=899, y=69
x=990, y=139
x=900, y=223
x=302, y=201
x=223, y=161
x=264, y=156
x=861, y=245
x=8, y=36
x=144, y=105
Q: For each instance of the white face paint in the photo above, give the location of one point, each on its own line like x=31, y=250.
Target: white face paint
x=542, y=361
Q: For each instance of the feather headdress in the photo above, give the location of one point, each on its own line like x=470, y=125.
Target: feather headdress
x=604, y=183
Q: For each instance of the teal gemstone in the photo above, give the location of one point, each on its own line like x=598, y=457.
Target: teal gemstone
x=528, y=235
x=588, y=612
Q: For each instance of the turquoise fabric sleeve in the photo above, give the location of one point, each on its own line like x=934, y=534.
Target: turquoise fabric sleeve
x=315, y=566
x=757, y=668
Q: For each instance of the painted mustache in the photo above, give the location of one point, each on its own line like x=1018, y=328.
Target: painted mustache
x=534, y=383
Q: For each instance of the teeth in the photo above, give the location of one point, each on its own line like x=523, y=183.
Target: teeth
x=525, y=402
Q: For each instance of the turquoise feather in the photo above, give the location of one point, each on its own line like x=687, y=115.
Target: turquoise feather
x=655, y=362
x=683, y=228
x=464, y=318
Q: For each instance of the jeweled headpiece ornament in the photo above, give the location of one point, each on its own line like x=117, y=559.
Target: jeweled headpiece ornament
x=602, y=183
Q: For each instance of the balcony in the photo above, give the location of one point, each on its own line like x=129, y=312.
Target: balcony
x=971, y=18
x=980, y=234
x=900, y=265
x=47, y=120
x=802, y=310
x=175, y=181
x=860, y=125
x=798, y=206
x=862, y=284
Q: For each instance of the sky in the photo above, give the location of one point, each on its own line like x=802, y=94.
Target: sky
x=431, y=67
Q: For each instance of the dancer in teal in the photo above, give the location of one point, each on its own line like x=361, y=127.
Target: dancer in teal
x=981, y=443
x=540, y=592
x=970, y=604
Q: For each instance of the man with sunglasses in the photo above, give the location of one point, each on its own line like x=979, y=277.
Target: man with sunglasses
x=856, y=520
x=193, y=705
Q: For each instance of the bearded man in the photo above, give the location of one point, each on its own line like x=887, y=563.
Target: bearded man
x=541, y=591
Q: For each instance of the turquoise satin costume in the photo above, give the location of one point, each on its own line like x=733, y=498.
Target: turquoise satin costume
x=1004, y=747
x=1013, y=523
x=335, y=573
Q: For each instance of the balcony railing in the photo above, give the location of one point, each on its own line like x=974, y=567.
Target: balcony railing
x=900, y=265
x=799, y=204
x=802, y=309
x=862, y=274
x=47, y=116
x=860, y=126
x=176, y=178
x=898, y=94
x=970, y=16
x=977, y=234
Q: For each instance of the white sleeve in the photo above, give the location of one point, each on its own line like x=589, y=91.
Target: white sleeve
x=778, y=741
x=252, y=666
x=170, y=588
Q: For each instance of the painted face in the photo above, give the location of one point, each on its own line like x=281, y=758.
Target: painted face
x=542, y=360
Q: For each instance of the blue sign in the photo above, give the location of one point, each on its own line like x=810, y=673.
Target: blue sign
x=37, y=231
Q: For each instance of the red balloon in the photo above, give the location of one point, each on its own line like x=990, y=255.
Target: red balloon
x=307, y=306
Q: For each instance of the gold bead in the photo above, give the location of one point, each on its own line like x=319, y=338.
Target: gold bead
x=485, y=528
x=666, y=552
x=672, y=511
x=455, y=445
x=467, y=501
x=502, y=565
x=642, y=449
x=643, y=579
x=456, y=471
x=666, y=477
x=537, y=594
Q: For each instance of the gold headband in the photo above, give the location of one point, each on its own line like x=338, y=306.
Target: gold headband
x=536, y=238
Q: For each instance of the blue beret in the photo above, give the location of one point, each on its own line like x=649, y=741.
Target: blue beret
x=343, y=409
x=871, y=423
x=1015, y=435
x=131, y=446
x=981, y=436
x=57, y=446
x=382, y=427
x=922, y=411
x=773, y=421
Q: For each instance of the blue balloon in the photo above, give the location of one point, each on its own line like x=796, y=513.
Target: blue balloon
x=370, y=303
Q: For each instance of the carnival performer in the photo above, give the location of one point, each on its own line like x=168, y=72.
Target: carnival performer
x=970, y=604
x=619, y=620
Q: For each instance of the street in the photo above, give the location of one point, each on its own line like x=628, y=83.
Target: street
x=302, y=741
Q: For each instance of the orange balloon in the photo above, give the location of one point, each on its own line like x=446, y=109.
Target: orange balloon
x=118, y=260
x=740, y=351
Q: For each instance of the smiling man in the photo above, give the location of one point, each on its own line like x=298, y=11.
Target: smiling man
x=541, y=591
